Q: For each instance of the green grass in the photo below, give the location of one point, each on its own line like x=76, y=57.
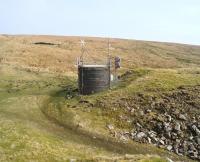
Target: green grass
x=154, y=159
x=94, y=115
x=27, y=134
x=38, y=120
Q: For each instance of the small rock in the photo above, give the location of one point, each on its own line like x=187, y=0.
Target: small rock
x=138, y=124
x=141, y=112
x=149, y=140
x=152, y=133
x=185, y=146
x=178, y=141
x=168, y=135
x=191, y=138
x=176, y=151
x=182, y=117
x=141, y=135
x=126, y=133
x=128, y=108
x=163, y=138
x=169, y=147
x=193, y=154
x=173, y=136
x=123, y=138
x=110, y=126
x=133, y=135
x=194, y=119
x=148, y=111
x=198, y=141
x=169, y=160
x=169, y=118
x=162, y=142
x=159, y=127
x=191, y=147
x=83, y=101
x=198, y=124
x=177, y=127
x=181, y=150
x=129, y=121
x=155, y=139
x=167, y=127
x=196, y=130
x=132, y=111
x=183, y=126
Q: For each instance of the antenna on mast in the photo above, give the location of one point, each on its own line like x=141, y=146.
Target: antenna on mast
x=109, y=62
x=82, y=42
x=109, y=46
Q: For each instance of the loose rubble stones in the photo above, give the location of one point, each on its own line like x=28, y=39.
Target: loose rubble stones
x=171, y=121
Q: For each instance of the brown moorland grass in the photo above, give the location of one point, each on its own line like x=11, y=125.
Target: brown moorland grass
x=21, y=51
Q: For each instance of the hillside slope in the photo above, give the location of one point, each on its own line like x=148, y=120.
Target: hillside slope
x=22, y=51
x=44, y=119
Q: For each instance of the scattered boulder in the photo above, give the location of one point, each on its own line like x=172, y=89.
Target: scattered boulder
x=169, y=147
x=140, y=135
x=169, y=118
x=182, y=117
x=162, y=142
x=196, y=130
x=177, y=127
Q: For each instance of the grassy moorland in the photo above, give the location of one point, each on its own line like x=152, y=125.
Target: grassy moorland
x=44, y=119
